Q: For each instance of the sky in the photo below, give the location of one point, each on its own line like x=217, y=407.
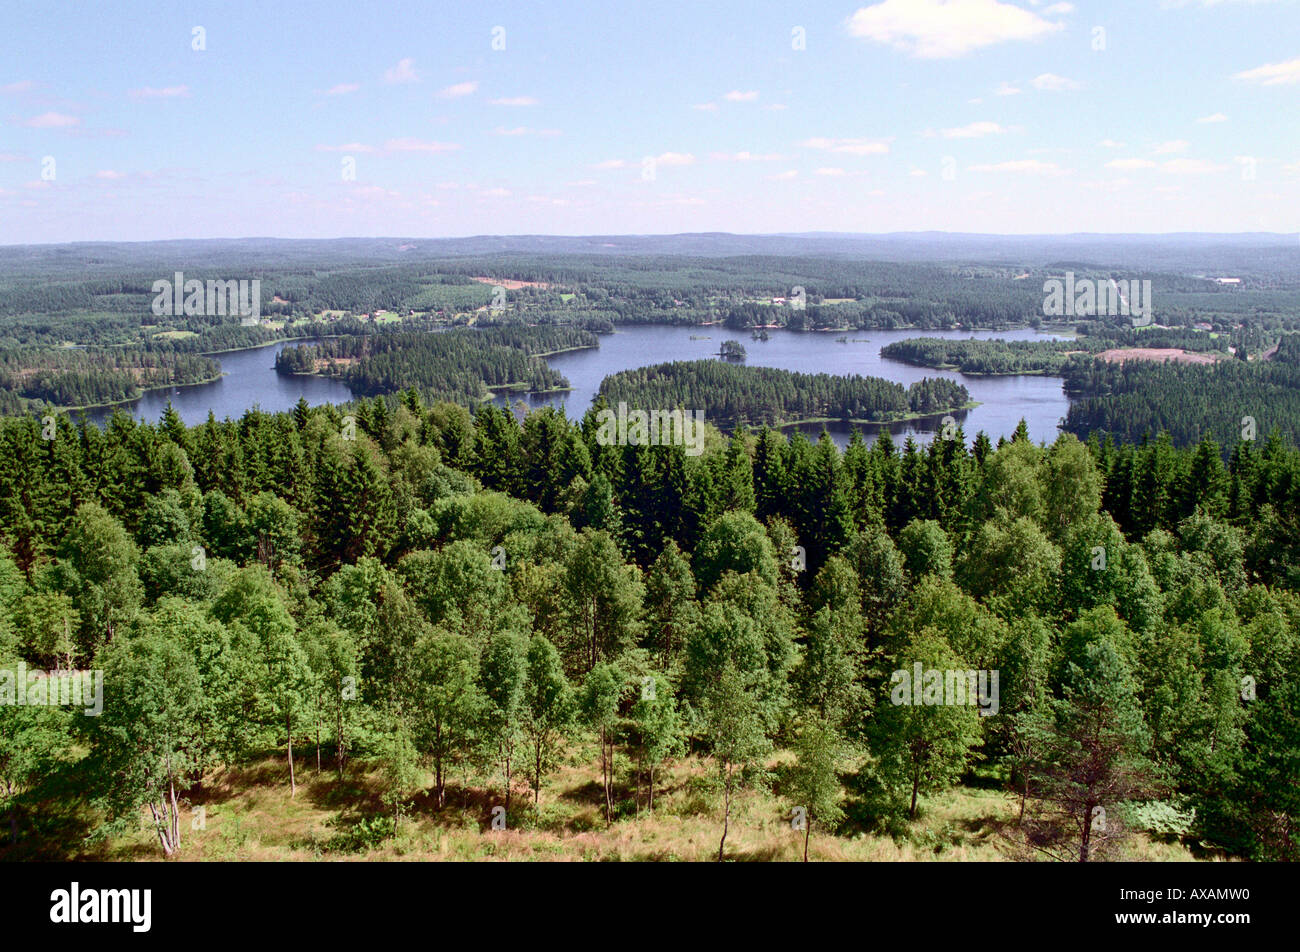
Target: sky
x=123, y=122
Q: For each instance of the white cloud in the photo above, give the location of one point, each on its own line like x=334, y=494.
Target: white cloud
x=22, y=86
x=918, y=173
x=1213, y=117
x=342, y=89
x=1051, y=83
x=973, y=130
x=1059, y=9
x=737, y=95
x=746, y=156
x=348, y=147
x=403, y=72
x=674, y=158
x=706, y=106
x=1028, y=166
x=166, y=92
x=785, y=176
x=937, y=29
x=1273, y=74
x=1191, y=167
x=610, y=164
x=1176, y=145
x=514, y=101
x=109, y=174
x=1110, y=144
x=829, y=172
x=458, y=90
x=1008, y=89
x=849, y=146
x=524, y=131
x=1130, y=164
x=52, y=120
x=418, y=145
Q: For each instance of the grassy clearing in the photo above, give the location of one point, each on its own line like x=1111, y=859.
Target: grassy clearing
x=247, y=814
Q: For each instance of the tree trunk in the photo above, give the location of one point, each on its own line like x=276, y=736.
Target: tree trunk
x=537, y=777
x=176, y=818
x=1087, y=834
x=318, y=746
x=508, y=778
x=338, y=744
x=916, y=783
x=807, y=831
x=293, y=783
x=726, y=814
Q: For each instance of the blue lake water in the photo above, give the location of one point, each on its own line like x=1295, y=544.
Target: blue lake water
x=250, y=379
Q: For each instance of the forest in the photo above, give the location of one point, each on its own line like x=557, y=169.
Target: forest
x=1136, y=400
x=30, y=379
x=733, y=395
x=464, y=364
x=411, y=621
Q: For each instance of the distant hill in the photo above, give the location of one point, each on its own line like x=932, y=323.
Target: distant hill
x=1216, y=254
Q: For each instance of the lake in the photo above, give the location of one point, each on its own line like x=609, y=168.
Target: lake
x=250, y=378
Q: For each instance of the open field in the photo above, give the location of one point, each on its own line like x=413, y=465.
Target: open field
x=1175, y=355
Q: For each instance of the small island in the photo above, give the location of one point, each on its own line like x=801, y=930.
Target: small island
x=733, y=395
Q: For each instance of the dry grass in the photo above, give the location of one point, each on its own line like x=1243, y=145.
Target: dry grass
x=249, y=815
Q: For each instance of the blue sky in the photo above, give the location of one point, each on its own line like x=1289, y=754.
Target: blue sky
x=613, y=117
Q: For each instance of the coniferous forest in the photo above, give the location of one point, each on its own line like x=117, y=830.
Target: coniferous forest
x=411, y=615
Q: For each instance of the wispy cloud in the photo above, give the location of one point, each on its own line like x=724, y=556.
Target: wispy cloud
x=1022, y=166
x=1191, y=167
x=737, y=95
x=524, y=131
x=342, y=89
x=347, y=147
x=52, y=120
x=1213, y=117
x=674, y=158
x=514, y=101
x=973, y=130
x=1051, y=83
x=165, y=92
x=848, y=146
x=418, y=145
x=403, y=72
x=1273, y=74
x=458, y=90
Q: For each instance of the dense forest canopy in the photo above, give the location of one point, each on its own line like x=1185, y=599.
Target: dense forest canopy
x=502, y=591
x=732, y=395
x=463, y=364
